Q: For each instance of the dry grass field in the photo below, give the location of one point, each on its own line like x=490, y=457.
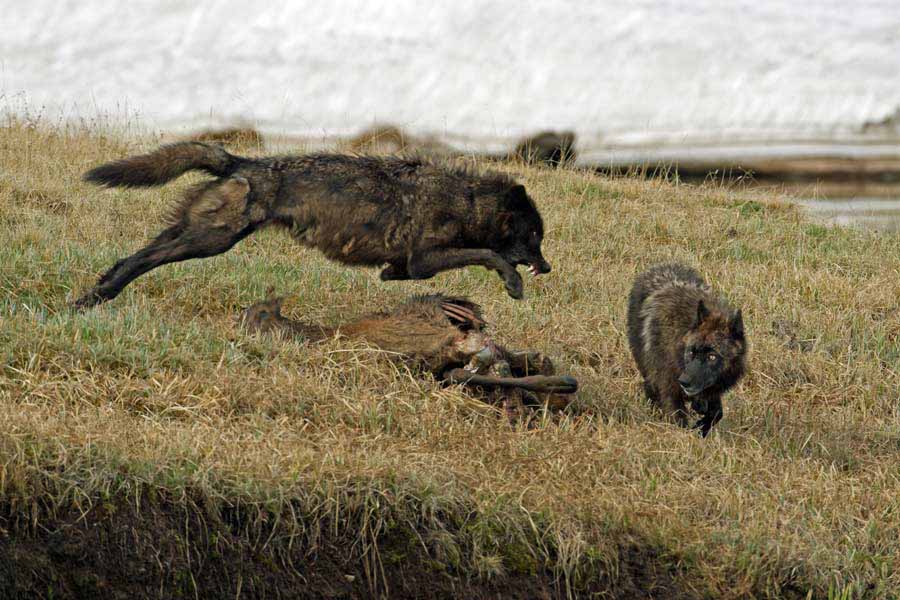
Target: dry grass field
x=149, y=448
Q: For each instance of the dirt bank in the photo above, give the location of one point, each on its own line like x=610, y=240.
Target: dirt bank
x=161, y=549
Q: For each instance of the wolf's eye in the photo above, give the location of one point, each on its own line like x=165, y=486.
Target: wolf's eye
x=712, y=358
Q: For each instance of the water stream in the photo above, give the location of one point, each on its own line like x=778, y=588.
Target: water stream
x=869, y=212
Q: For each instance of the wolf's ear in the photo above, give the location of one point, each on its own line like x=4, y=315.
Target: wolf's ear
x=518, y=196
x=736, y=325
x=702, y=313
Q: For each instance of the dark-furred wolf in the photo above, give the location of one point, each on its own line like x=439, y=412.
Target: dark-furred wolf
x=413, y=215
x=688, y=344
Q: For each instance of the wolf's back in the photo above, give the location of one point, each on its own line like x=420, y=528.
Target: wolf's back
x=165, y=164
x=646, y=301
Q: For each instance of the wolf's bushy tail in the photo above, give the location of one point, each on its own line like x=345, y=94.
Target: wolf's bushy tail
x=165, y=164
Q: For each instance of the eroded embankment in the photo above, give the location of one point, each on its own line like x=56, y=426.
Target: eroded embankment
x=153, y=546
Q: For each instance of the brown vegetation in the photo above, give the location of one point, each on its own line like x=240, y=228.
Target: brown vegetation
x=231, y=136
x=390, y=139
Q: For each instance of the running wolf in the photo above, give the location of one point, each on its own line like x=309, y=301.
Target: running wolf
x=688, y=344
x=413, y=215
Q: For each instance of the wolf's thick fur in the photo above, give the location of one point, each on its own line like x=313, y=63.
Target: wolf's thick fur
x=688, y=344
x=415, y=216
x=164, y=165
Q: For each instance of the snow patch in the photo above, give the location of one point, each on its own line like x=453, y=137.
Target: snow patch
x=485, y=71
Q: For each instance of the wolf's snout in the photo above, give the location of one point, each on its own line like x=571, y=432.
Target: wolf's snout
x=539, y=267
x=685, y=383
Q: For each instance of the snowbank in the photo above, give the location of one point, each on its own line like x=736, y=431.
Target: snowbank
x=484, y=71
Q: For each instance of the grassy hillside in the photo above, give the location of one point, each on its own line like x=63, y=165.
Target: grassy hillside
x=150, y=447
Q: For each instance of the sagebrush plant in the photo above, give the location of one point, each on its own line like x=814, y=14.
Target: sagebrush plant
x=795, y=491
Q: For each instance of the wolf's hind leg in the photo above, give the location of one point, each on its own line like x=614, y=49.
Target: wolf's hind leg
x=394, y=272
x=209, y=222
x=187, y=246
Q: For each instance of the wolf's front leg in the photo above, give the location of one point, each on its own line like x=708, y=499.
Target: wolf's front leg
x=431, y=262
x=651, y=393
x=711, y=416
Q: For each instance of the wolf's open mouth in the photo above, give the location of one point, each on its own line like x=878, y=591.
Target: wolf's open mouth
x=690, y=392
x=534, y=269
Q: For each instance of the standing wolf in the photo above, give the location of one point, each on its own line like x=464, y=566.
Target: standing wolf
x=415, y=216
x=688, y=344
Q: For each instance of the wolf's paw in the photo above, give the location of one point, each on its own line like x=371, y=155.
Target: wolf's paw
x=704, y=426
x=514, y=286
x=89, y=300
x=393, y=273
